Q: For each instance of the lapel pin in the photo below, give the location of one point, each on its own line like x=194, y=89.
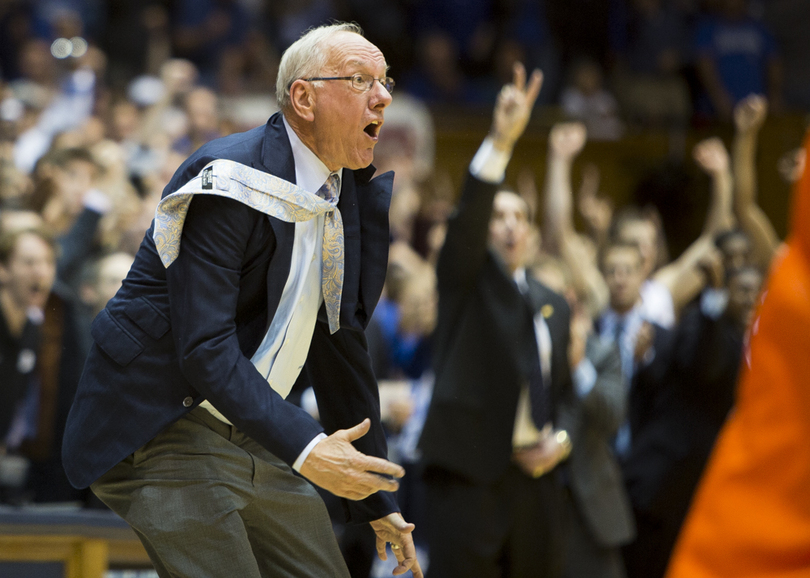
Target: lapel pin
x=547, y=311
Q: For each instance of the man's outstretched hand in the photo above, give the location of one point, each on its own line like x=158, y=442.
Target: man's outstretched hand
x=335, y=465
x=394, y=529
x=514, y=107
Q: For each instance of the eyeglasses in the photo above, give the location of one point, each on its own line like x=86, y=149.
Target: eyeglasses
x=361, y=82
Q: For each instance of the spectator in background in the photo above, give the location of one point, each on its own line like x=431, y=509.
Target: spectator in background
x=599, y=519
x=669, y=286
x=201, y=108
x=27, y=273
x=41, y=360
x=586, y=99
x=640, y=340
x=649, y=39
x=735, y=57
x=695, y=395
x=71, y=206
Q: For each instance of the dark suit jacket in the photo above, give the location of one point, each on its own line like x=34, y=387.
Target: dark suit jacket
x=175, y=336
x=485, y=347
x=594, y=475
x=694, y=397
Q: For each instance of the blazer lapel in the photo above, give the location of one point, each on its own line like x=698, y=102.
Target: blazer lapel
x=277, y=159
x=373, y=202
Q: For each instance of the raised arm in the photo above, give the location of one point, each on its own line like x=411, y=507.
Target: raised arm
x=749, y=116
x=565, y=142
x=465, y=244
x=684, y=277
x=711, y=155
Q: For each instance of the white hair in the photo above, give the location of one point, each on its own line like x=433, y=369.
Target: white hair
x=307, y=56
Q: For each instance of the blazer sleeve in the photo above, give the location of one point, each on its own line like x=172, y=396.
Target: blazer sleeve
x=465, y=247
x=339, y=369
x=605, y=405
x=203, y=286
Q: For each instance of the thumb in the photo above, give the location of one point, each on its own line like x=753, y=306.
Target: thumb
x=399, y=523
x=358, y=431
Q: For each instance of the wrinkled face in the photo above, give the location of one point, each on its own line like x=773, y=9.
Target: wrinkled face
x=644, y=236
x=347, y=121
x=743, y=290
x=29, y=274
x=624, y=277
x=509, y=229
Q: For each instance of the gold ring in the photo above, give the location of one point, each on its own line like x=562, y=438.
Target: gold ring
x=395, y=546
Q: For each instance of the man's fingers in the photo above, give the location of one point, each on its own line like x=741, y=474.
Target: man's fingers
x=381, y=552
x=402, y=526
x=406, y=556
x=381, y=466
x=535, y=84
x=519, y=75
x=358, y=431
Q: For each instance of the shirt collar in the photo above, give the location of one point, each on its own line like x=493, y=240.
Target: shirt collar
x=611, y=317
x=310, y=172
x=520, y=279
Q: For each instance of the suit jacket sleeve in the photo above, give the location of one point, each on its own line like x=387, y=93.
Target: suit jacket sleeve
x=465, y=247
x=649, y=380
x=203, y=284
x=605, y=405
x=339, y=370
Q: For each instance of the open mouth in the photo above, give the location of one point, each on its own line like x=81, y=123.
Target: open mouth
x=373, y=129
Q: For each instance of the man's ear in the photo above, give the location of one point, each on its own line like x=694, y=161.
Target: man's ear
x=302, y=100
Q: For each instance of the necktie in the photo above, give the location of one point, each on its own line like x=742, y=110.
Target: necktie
x=270, y=195
x=332, y=252
x=539, y=395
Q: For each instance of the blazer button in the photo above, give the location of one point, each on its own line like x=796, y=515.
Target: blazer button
x=187, y=402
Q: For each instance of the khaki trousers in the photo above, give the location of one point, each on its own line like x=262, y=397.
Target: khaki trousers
x=208, y=501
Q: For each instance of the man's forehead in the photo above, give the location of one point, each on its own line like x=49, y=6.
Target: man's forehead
x=622, y=254
x=509, y=201
x=351, y=49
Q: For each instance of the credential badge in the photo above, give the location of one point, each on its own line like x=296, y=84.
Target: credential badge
x=208, y=178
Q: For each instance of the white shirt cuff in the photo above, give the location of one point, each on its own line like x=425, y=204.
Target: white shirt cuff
x=584, y=377
x=713, y=302
x=489, y=164
x=305, y=453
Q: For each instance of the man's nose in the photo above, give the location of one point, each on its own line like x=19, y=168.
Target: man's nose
x=381, y=97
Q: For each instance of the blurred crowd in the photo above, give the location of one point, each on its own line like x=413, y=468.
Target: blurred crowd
x=100, y=102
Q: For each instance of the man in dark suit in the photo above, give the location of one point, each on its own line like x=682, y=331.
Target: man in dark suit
x=671, y=450
x=180, y=422
x=646, y=350
x=501, y=362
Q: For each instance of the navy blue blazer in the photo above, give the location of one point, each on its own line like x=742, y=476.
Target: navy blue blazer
x=173, y=337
